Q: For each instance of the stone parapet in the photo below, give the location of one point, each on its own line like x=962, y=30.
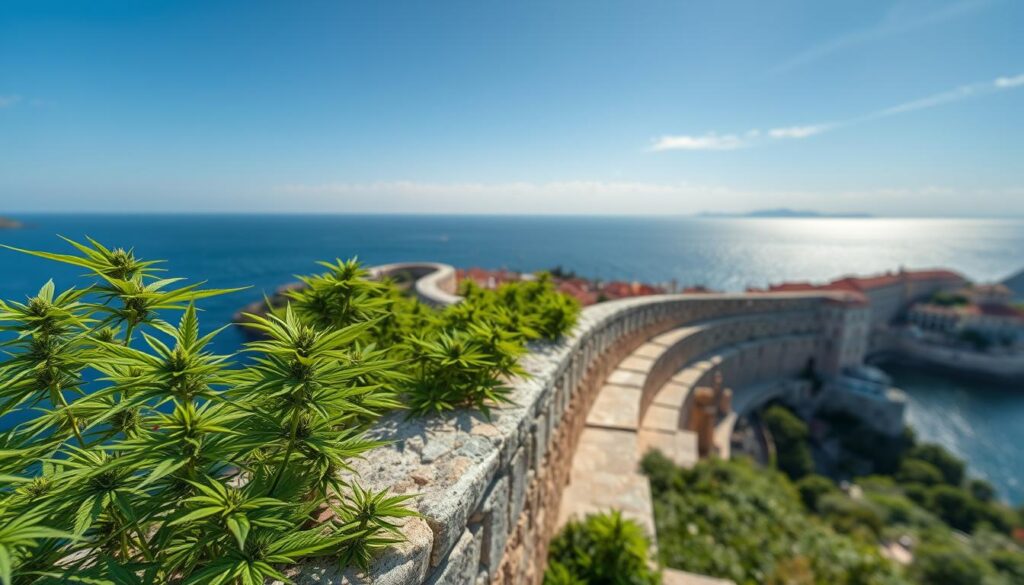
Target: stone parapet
x=489, y=491
x=435, y=283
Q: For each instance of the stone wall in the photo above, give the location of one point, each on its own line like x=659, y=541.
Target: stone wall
x=435, y=283
x=489, y=491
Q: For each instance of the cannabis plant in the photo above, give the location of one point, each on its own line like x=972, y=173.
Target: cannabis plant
x=601, y=549
x=132, y=454
x=460, y=357
x=468, y=356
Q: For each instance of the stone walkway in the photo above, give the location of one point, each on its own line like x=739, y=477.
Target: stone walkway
x=623, y=425
x=606, y=467
x=676, y=577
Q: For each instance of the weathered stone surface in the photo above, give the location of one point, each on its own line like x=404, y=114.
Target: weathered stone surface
x=661, y=418
x=616, y=407
x=447, y=514
x=518, y=474
x=494, y=518
x=508, y=473
x=674, y=577
x=463, y=563
x=540, y=433
x=398, y=565
x=627, y=378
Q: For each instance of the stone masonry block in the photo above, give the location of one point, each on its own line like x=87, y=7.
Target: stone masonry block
x=463, y=564
x=493, y=517
x=518, y=474
x=448, y=512
x=540, y=440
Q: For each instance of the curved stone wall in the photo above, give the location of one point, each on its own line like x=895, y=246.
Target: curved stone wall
x=489, y=491
x=435, y=283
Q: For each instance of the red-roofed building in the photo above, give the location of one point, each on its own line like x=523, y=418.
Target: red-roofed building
x=793, y=287
x=578, y=288
x=620, y=290
x=888, y=294
x=993, y=319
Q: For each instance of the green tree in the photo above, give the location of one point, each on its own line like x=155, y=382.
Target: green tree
x=793, y=456
x=981, y=490
x=1010, y=563
x=860, y=518
x=732, y=520
x=916, y=471
x=947, y=565
x=955, y=506
x=812, y=488
x=951, y=466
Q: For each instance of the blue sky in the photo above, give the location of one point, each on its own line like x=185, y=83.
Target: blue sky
x=911, y=108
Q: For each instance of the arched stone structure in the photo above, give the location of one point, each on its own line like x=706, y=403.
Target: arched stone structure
x=490, y=491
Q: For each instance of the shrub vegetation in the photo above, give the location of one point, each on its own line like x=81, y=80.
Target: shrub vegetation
x=792, y=454
x=959, y=532
x=131, y=454
x=602, y=549
x=732, y=520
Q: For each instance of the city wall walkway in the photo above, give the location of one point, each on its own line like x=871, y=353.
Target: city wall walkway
x=490, y=491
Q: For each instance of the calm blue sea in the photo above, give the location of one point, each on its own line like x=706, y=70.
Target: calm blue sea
x=986, y=425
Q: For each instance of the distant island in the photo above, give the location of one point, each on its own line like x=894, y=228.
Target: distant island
x=783, y=212
x=7, y=223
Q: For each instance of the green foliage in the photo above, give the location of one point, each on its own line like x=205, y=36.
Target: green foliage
x=732, y=520
x=1009, y=563
x=954, y=505
x=139, y=456
x=812, y=488
x=899, y=513
x=793, y=455
x=143, y=458
x=602, y=549
x=951, y=467
x=925, y=497
x=948, y=299
x=858, y=517
x=947, y=565
x=982, y=490
x=465, y=355
x=462, y=356
x=863, y=448
x=919, y=472
x=533, y=306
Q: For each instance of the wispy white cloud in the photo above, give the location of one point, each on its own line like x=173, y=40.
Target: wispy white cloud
x=799, y=131
x=1008, y=82
x=714, y=141
x=7, y=101
x=710, y=141
x=903, y=17
x=954, y=95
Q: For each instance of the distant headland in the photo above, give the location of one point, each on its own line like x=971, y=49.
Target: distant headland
x=783, y=212
x=7, y=223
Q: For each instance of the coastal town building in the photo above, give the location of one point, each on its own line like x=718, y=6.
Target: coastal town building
x=677, y=373
x=586, y=291
x=982, y=314
x=866, y=393
x=888, y=294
